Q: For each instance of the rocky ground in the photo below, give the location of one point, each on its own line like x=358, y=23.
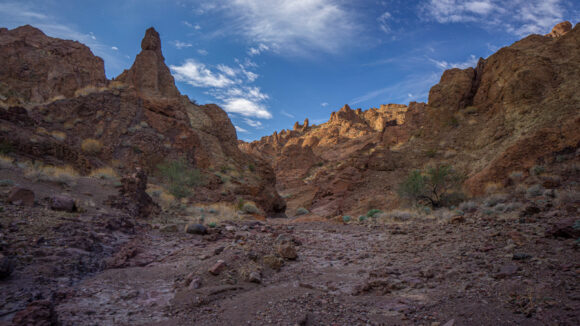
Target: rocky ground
x=515, y=269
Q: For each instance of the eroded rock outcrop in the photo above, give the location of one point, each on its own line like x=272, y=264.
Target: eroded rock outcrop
x=149, y=74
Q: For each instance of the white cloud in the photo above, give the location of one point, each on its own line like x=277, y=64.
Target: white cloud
x=442, y=64
x=324, y=104
x=202, y=52
x=182, y=45
x=383, y=22
x=240, y=129
x=227, y=84
x=520, y=17
x=290, y=27
x=416, y=85
x=258, y=49
x=114, y=48
x=246, y=108
x=253, y=123
x=287, y=114
x=197, y=74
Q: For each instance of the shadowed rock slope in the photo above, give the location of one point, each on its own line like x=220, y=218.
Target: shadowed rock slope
x=56, y=101
x=515, y=109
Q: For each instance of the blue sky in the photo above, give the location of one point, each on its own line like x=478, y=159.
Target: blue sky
x=270, y=63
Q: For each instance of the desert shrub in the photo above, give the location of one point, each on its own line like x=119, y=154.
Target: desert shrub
x=471, y=110
x=212, y=224
x=400, y=215
x=468, y=206
x=64, y=175
x=91, y=146
x=516, y=176
x=301, y=211
x=240, y=204
x=346, y=218
x=443, y=214
x=86, y=91
x=252, y=167
x=250, y=208
x=432, y=186
x=535, y=190
x=5, y=147
x=537, y=170
x=493, y=200
x=431, y=152
x=180, y=177
x=362, y=218
x=373, y=212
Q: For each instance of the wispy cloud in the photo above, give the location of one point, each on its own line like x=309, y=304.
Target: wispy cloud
x=383, y=21
x=240, y=129
x=286, y=114
x=324, y=104
x=253, y=123
x=202, y=52
x=258, y=49
x=289, y=27
x=443, y=65
x=417, y=86
x=182, y=45
x=519, y=17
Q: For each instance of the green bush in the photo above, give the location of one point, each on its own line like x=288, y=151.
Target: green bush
x=437, y=186
x=537, y=170
x=362, y=218
x=301, y=211
x=346, y=219
x=373, y=212
x=180, y=177
x=250, y=208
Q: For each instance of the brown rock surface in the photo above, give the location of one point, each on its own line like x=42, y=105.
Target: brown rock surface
x=21, y=196
x=36, y=68
x=560, y=29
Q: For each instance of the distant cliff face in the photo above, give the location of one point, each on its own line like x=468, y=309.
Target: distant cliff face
x=139, y=119
x=36, y=68
x=509, y=113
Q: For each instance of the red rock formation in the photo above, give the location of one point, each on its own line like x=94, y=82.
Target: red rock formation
x=36, y=68
x=149, y=74
x=560, y=29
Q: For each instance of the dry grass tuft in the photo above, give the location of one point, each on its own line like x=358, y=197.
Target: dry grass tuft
x=86, y=91
x=64, y=175
x=58, y=135
x=106, y=173
x=91, y=146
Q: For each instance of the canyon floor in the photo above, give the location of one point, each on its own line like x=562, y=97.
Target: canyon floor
x=99, y=268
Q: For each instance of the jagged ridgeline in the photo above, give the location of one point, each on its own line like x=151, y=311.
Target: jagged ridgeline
x=516, y=109
x=59, y=108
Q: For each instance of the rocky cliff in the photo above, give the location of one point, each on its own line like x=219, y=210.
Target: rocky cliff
x=514, y=110
x=137, y=120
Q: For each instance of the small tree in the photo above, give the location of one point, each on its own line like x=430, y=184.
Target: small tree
x=433, y=185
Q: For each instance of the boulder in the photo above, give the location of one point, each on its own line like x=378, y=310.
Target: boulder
x=195, y=228
x=218, y=267
x=6, y=267
x=63, y=203
x=287, y=250
x=21, y=196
